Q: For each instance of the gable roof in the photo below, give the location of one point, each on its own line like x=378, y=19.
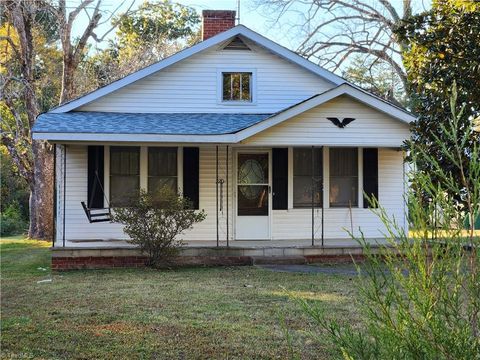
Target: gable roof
x=191, y=127
x=239, y=30
x=354, y=92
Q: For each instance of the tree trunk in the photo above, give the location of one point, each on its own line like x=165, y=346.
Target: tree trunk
x=68, y=80
x=41, y=193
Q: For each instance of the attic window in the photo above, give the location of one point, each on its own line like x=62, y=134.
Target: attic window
x=237, y=86
x=236, y=44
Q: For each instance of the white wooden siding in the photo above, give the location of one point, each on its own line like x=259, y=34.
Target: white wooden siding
x=191, y=85
x=286, y=224
x=370, y=128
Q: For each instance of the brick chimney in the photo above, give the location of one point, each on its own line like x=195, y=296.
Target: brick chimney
x=216, y=21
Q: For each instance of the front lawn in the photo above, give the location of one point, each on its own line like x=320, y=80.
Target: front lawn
x=183, y=314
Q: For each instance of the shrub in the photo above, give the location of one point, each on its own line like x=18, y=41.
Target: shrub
x=421, y=299
x=12, y=222
x=154, y=221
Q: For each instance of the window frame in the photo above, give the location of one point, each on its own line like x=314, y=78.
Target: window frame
x=321, y=177
x=108, y=174
x=358, y=177
x=176, y=176
x=143, y=168
x=253, y=86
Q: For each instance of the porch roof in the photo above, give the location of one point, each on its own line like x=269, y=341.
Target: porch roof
x=81, y=122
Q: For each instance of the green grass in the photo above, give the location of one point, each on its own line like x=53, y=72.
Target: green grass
x=142, y=313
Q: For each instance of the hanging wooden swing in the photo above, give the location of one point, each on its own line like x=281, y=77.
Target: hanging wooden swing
x=95, y=215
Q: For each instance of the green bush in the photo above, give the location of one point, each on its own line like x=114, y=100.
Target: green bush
x=154, y=222
x=12, y=221
x=14, y=197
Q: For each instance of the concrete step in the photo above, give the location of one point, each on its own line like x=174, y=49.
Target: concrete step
x=279, y=260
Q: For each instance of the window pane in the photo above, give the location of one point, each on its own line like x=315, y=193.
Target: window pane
x=227, y=93
x=302, y=191
x=343, y=177
x=253, y=200
x=236, y=86
x=343, y=162
x=123, y=189
x=246, y=95
x=124, y=160
x=343, y=191
x=162, y=161
x=302, y=177
x=302, y=161
x=157, y=183
x=124, y=174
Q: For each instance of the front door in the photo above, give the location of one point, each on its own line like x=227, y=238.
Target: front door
x=253, y=196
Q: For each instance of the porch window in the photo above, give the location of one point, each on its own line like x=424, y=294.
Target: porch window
x=162, y=168
x=302, y=177
x=343, y=177
x=124, y=174
x=237, y=86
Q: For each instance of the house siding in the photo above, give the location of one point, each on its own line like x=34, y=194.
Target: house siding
x=370, y=128
x=192, y=85
x=286, y=224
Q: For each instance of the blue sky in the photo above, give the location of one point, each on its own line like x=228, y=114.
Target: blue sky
x=250, y=16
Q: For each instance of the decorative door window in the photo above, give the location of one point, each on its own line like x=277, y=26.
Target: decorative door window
x=253, y=184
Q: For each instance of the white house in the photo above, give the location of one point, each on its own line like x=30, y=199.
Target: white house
x=272, y=146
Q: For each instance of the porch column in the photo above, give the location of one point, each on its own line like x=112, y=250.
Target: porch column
x=226, y=176
x=313, y=195
x=216, y=192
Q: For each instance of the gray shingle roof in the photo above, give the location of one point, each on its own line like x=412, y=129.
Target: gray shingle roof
x=127, y=123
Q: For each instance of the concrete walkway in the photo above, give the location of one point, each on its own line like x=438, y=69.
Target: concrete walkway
x=340, y=269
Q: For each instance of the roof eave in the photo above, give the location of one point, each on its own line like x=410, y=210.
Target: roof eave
x=144, y=138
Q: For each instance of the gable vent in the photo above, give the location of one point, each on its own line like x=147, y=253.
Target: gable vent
x=236, y=44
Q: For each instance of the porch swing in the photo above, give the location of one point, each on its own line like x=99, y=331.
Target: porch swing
x=95, y=210
x=95, y=215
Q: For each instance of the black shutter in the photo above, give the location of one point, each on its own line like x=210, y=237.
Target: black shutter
x=370, y=175
x=280, y=178
x=191, y=172
x=95, y=177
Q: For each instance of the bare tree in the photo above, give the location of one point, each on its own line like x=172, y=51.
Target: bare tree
x=74, y=48
x=19, y=91
x=333, y=31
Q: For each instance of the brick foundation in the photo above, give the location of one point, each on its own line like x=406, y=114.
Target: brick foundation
x=97, y=262
x=109, y=262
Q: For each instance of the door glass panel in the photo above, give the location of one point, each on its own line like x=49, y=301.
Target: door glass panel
x=253, y=200
x=253, y=168
x=253, y=197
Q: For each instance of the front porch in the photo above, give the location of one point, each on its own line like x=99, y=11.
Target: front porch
x=277, y=209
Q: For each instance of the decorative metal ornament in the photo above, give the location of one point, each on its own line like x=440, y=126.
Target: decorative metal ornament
x=340, y=124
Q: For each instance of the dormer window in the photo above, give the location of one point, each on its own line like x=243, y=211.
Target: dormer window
x=237, y=86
